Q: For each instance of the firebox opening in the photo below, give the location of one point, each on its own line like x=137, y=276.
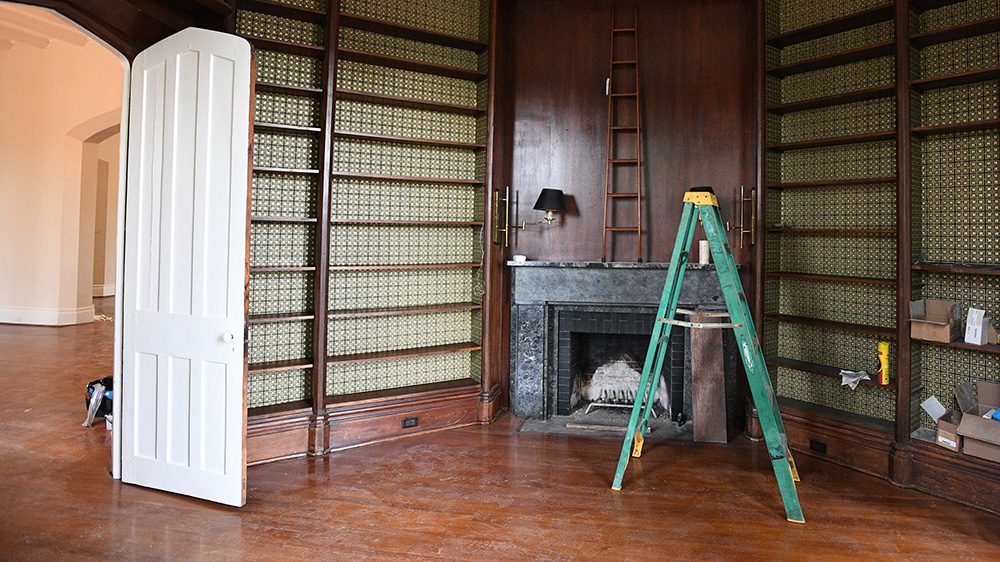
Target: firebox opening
x=606, y=367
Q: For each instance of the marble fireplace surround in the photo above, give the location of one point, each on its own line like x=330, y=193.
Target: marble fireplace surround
x=541, y=290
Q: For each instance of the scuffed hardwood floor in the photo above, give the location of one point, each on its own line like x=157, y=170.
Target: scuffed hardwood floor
x=483, y=493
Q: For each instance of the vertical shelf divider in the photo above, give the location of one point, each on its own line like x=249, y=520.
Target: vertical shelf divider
x=904, y=245
x=318, y=439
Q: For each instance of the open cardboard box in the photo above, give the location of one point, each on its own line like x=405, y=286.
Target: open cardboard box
x=934, y=320
x=980, y=436
x=947, y=422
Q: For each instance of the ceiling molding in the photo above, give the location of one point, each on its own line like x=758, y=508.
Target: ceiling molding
x=20, y=36
x=41, y=27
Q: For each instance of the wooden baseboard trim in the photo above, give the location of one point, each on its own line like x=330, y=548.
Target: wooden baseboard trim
x=960, y=478
x=361, y=422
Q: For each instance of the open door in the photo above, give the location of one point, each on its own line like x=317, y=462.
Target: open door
x=183, y=418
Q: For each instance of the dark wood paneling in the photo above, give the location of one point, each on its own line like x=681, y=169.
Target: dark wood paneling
x=697, y=71
x=132, y=25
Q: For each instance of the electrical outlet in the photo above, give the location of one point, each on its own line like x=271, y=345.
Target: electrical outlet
x=818, y=446
x=410, y=422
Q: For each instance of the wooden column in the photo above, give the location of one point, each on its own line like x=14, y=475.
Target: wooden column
x=318, y=438
x=494, y=366
x=901, y=451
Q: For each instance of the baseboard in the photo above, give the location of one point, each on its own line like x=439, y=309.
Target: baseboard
x=46, y=316
x=106, y=290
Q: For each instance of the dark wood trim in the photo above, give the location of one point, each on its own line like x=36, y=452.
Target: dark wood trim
x=877, y=331
x=955, y=476
x=289, y=317
x=853, y=441
x=493, y=255
x=760, y=140
x=956, y=79
x=409, y=140
x=284, y=365
x=283, y=128
x=831, y=231
x=279, y=436
x=289, y=47
x=378, y=417
x=405, y=310
x=833, y=141
x=836, y=99
x=832, y=183
x=825, y=370
x=410, y=64
x=405, y=353
x=284, y=10
x=856, y=54
x=984, y=125
x=988, y=348
x=870, y=16
x=406, y=266
x=372, y=222
x=924, y=5
x=831, y=278
x=960, y=268
x=409, y=102
x=903, y=227
x=289, y=90
x=317, y=441
x=954, y=33
x=407, y=32
x=414, y=179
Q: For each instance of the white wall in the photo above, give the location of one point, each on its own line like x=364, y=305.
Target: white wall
x=106, y=217
x=52, y=100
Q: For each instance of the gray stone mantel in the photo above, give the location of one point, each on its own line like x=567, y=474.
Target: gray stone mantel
x=594, y=282
x=541, y=289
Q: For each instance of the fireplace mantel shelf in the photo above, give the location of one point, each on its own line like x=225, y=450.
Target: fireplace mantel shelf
x=603, y=265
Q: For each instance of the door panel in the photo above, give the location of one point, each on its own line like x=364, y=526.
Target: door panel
x=184, y=405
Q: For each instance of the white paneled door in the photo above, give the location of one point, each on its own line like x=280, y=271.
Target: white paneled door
x=183, y=373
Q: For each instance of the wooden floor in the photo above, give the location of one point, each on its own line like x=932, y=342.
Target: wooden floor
x=486, y=493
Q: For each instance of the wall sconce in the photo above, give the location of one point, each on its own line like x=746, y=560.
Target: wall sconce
x=551, y=201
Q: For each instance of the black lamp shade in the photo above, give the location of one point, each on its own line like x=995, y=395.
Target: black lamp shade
x=550, y=200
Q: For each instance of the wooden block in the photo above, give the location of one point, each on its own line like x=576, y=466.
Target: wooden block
x=708, y=383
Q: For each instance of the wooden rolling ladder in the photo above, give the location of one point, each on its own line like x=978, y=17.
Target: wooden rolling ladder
x=620, y=128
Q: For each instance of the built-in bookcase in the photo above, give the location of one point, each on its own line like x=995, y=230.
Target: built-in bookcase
x=955, y=119
x=880, y=165
x=829, y=197
x=368, y=211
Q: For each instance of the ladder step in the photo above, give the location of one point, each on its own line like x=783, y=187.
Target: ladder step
x=622, y=161
x=628, y=95
x=623, y=30
x=623, y=195
x=625, y=128
x=622, y=62
x=622, y=229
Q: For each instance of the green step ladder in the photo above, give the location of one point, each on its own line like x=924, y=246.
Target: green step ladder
x=701, y=202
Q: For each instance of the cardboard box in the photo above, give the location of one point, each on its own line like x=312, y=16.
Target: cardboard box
x=934, y=320
x=980, y=436
x=947, y=432
x=947, y=420
x=978, y=328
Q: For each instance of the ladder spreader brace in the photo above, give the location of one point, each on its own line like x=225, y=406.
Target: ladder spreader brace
x=701, y=202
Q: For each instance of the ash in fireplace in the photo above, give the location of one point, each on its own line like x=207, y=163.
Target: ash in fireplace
x=616, y=382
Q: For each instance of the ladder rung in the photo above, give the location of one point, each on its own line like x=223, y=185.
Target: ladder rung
x=622, y=229
x=628, y=95
x=614, y=62
x=623, y=30
x=622, y=195
x=622, y=161
x=625, y=128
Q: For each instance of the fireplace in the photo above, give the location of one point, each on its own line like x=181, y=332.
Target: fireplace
x=569, y=318
x=594, y=343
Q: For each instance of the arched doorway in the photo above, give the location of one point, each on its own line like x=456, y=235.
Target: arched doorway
x=61, y=106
